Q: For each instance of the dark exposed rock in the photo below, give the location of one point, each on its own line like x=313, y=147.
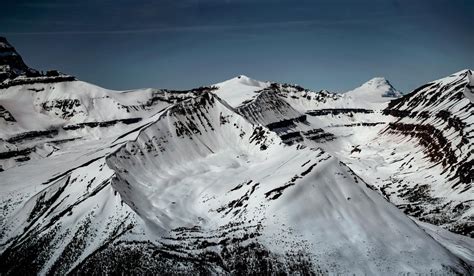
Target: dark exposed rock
x=11, y=63
x=259, y=137
x=65, y=106
x=438, y=147
x=268, y=108
x=399, y=113
x=318, y=135
x=127, y=121
x=452, y=120
x=286, y=123
x=24, y=81
x=291, y=137
x=14, y=71
x=237, y=206
x=32, y=135
x=337, y=111
x=6, y=115
x=369, y=124
x=15, y=153
x=171, y=97
x=231, y=259
x=36, y=89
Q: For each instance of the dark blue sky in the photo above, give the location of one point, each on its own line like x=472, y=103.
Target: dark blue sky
x=331, y=44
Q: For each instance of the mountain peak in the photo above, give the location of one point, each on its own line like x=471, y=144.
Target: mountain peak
x=4, y=43
x=14, y=71
x=239, y=89
x=378, y=87
x=242, y=80
x=242, y=77
x=377, y=81
x=11, y=63
x=464, y=71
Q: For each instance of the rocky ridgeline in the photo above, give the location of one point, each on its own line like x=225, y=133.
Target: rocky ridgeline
x=435, y=114
x=14, y=71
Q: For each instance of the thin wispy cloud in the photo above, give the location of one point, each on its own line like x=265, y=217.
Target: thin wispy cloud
x=202, y=28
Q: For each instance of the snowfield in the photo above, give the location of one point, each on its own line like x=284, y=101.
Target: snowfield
x=240, y=177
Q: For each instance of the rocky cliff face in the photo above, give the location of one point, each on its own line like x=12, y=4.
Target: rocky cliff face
x=11, y=63
x=14, y=71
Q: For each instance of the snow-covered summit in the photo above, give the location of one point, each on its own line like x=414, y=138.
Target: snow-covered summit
x=244, y=80
x=376, y=88
x=237, y=90
x=462, y=72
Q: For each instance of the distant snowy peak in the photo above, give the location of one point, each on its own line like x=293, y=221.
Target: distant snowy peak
x=382, y=84
x=239, y=89
x=377, y=88
x=243, y=80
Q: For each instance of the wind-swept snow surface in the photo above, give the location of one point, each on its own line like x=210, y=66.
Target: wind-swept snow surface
x=244, y=177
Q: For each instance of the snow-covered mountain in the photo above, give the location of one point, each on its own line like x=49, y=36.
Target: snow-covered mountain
x=375, y=90
x=239, y=177
x=239, y=89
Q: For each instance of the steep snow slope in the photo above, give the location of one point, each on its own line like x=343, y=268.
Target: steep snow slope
x=437, y=120
x=460, y=246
